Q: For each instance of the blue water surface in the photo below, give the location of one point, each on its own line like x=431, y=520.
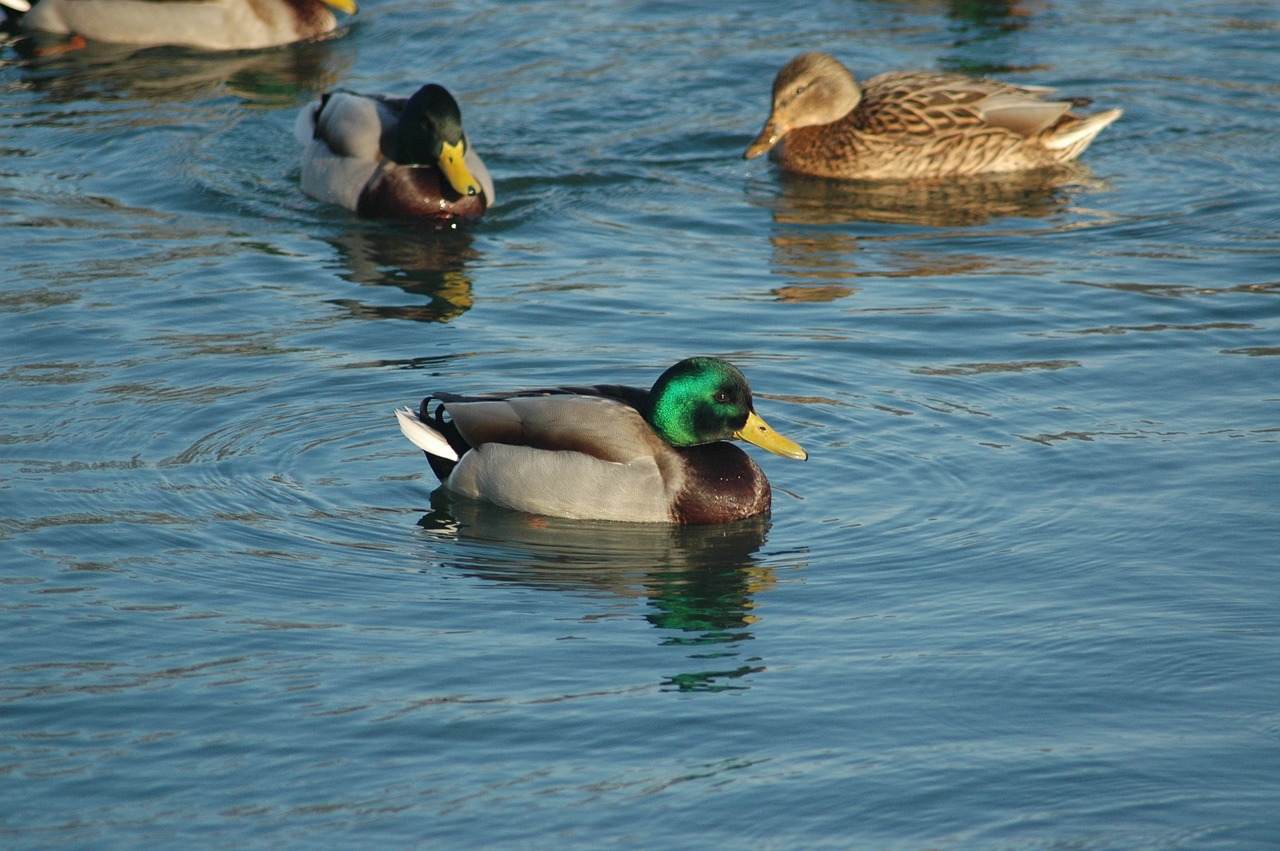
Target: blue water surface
x=1023, y=594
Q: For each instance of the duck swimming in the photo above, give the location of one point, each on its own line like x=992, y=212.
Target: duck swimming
x=387, y=157
x=204, y=24
x=906, y=125
x=607, y=452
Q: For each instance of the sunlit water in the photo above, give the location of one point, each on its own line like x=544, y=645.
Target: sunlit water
x=1023, y=594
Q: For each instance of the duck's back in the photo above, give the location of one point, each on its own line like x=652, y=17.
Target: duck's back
x=922, y=104
x=342, y=134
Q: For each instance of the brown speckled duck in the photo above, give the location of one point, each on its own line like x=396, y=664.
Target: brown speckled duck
x=607, y=452
x=905, y=125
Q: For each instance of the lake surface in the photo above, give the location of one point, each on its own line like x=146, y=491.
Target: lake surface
x=1024, y=594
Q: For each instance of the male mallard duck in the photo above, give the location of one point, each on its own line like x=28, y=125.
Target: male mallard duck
x=909, y=125
x=607, y=452
x=205, y=24
x=387, y=157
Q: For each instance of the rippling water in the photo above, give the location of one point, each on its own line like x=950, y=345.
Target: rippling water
x=1023, y=594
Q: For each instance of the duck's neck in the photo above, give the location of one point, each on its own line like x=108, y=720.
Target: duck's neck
x=669, y=424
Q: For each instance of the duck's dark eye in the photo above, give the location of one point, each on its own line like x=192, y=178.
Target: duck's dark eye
x=800, y=90
x=721, y=397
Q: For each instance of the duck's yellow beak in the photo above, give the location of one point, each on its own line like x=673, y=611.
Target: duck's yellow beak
x=348, y=6
x=759, y=432
x=771, y=134
x=456, y=171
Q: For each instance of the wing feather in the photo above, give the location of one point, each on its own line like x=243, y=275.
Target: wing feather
x=600, y=427
x=923, y=103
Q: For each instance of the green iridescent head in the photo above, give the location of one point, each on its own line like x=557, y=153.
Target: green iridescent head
x=430, y=131
x=702, y=400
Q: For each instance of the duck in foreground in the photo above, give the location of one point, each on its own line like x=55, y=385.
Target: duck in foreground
x=386, y=157
x=204, y=24
x=907, y=125
x=607, y=452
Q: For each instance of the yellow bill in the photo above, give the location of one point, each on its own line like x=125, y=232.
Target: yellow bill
x=759, y=432
x=456, y=171
x=348, y=6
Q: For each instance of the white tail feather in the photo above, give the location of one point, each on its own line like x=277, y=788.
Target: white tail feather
x=424, y=436
x=1078, y=136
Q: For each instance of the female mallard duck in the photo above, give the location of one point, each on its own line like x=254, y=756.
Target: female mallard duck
x=916, y=125
x=387, y=157
x=607, y=452
x=204, y=24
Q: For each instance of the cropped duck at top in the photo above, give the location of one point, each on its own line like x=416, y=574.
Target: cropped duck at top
x=905, y=125
x=388, y=157
x=607, y=452
x=204, y=24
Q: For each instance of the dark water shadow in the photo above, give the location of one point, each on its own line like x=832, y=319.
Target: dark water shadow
x=698, y=583
x=275, y=77
x=430, y=265
x=981, y=30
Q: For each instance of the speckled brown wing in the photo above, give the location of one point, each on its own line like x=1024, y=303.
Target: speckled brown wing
x=920, y=104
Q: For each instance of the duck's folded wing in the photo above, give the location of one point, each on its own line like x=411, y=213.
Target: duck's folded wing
x=926, y=104
x=351, y=125
x=600, y=427
x=1027, y=116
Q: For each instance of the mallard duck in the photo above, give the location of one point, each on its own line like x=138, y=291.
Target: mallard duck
x=386, y=157
x=607, y=452
x=205, y=24
x=916, y=125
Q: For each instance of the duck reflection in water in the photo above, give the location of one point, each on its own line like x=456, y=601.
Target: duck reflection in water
x=698, y=583
x=956, y=202
x=430, y=265
x=180, y=75
x=212, y=25
x=817, y=254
